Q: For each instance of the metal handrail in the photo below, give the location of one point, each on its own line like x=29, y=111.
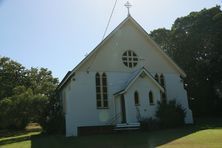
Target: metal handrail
x=112, y=120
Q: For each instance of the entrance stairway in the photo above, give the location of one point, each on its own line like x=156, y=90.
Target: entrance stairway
x=127, y=126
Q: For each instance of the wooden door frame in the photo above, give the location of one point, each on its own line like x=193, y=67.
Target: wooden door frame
x=123, y=108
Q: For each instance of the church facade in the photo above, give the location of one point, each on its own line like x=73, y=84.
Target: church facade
x=120, y=81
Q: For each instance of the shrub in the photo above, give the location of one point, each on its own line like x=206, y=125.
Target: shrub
x=149, y=124
x=170, y=114
x=22, y=108
x=53, y=121
x=6, y=119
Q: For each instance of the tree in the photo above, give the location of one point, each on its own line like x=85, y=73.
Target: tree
x=21, y=108
x=12, y=74
x=162, y=37
x=25, y=95
x=53, y=119
x=41, y=81
x=195, y=43
x=170, y=114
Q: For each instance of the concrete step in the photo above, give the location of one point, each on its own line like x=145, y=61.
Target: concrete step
x=127, y=126
x=126, y=129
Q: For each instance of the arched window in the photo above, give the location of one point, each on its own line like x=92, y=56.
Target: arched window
x=163, y=96
x=162, y=81
x=64, y=101
x=98, y=91
x=104, y=90
x=156, y=77
x=101, y=91
x=136, y=98
x=151, y=100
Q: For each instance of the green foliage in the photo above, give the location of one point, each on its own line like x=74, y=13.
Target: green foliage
x=170, y=114
x=41, y=81
x=24, y=94
x=54, y=121
x=6, y=112
x=195, y=43
x=162, y=37
x=206, y=133
x=12, y=74
x=149, y=124
x=21, y=108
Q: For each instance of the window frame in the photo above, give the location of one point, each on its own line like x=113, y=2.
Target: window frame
x=163, y=84
x=162, y=81
x=136, y=98
x=151, y=98
x=101, y=91
x=130, y=59
x=156, y=77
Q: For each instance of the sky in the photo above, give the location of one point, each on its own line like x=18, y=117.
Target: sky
x=57, y=34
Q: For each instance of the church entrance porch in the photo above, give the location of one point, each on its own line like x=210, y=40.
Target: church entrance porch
x=137, y=99
x=122, y=110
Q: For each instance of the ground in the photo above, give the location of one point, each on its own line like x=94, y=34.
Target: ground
x=207, y=133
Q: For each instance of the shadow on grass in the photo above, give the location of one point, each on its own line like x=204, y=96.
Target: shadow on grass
x=132, y=139
x=129, y=139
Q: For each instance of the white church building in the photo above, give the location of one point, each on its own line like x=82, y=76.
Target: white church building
x=122, y=78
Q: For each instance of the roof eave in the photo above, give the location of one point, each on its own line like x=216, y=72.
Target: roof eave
x=108, y=37
x=183, y=74
x=94, y=50
x=133, y=80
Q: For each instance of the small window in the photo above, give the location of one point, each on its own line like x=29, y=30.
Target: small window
x=64, y=102
x=129, y=59
x=163, y=96
x=98, y=91
x=101, y=91
x=104, y=88
x=151, y=100
x=162, y=81
x=156, y=77
x=97, y=79
x=136, y=98
x=104, y=79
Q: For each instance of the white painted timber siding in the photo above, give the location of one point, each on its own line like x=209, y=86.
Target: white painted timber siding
x=175, y=90
x=81, y=100
x=142, y=86
x=109, y=57
x=80, y=90
x=81, y=107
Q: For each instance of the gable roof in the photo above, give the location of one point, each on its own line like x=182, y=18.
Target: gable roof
x=128, y=18
x=135, y=75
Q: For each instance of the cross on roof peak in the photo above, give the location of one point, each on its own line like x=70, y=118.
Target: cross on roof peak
x=128, y=5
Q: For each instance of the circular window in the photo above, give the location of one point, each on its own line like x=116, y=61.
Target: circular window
x=130, y=59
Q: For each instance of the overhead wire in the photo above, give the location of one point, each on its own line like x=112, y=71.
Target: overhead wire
x=105, y=29
x=109, y=20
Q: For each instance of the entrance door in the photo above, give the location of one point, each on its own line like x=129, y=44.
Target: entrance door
x=123, y=109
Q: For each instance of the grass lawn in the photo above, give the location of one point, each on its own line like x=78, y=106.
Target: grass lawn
x=204, y=134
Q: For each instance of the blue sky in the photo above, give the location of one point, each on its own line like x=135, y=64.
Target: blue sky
x=57, y=34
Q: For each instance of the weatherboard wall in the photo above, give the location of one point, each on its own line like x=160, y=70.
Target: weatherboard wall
x=81, y=99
